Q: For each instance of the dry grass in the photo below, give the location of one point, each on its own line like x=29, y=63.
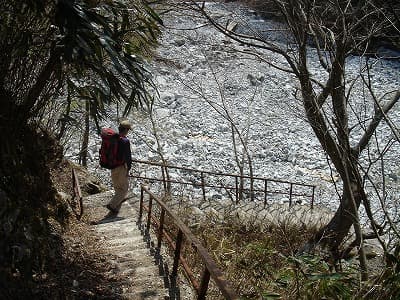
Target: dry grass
x=253, y=258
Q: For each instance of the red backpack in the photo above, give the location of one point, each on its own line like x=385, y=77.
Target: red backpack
x=109, y=149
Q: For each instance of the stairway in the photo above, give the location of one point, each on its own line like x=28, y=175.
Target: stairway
x=132, y=254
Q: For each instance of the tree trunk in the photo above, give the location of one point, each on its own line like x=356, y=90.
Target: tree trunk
x=27, y=108
x=339, y=226
x=85, y=143
x=65, y=115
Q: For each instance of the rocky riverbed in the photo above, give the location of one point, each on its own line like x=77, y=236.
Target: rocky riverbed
x=207, y=82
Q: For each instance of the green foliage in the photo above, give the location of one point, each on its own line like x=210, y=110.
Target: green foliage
x=103, y=46
x=387, y=284
x=262, y=264
x=93, y=48
x=96, y=47
x=310, y=277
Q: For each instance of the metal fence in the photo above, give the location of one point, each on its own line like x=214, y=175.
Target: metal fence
x=208, y=184
x=181, y=240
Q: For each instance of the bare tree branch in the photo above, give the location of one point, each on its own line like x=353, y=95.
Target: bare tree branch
x=380, y=114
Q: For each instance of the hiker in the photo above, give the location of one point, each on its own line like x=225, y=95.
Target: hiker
x=119, y=174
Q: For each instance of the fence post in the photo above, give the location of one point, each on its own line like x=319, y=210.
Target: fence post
x=149, y=214
x=237, y=189
x=204, y=285
x=141, y=204
x=177, y=255
x=169, y=183
x=77, y=194
x=265, y=192
x=252, y=196
x=160, y=232
x=312, y=198
x=290, y=195
x=203, y=186
x=163, y=172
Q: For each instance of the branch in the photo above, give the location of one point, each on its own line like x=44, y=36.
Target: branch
x=244, y=39
x=41, y=82
x=257, y=55
x=380, y=114
x=322, y=60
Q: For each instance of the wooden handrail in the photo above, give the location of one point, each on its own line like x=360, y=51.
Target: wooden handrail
x=77, y=195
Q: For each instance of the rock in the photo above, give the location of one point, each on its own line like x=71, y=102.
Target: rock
x=64, y=197
x=94, y=187
x=394, y=177
x=75, y=283
x=372, y=249
x=216, y=197
x=388, y=53
x=369, y=254
x=179, y=42
x=197, y=212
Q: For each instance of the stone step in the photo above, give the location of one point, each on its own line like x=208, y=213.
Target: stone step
x=131, y=255
x=118, y=221
x=135, y=253
x=119, y=233
x=146, y=294
x=116, y=232
x=139, y=254
x=135, y=237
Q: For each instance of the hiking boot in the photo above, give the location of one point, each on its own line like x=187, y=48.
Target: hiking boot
x=112, y=210
x=110, y=215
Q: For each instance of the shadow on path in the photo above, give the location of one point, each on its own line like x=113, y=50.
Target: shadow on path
x=170, y=281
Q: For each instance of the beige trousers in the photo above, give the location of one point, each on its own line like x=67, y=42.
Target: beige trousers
x=119, y=177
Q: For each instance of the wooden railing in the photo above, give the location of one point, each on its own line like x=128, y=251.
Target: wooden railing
x=76, y=201
x=176, y=242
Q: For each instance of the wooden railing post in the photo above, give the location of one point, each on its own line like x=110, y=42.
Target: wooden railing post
x=241, y=188
x=177, y=255
x=252, y=196
x=205, y=279
x=77, y=195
